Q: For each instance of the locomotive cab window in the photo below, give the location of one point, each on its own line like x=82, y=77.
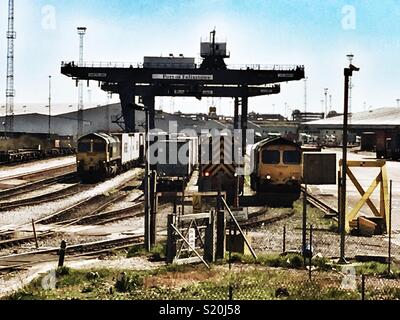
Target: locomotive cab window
x=271, y=156
x=99, y=147
x=291, y=157
x=84, y=146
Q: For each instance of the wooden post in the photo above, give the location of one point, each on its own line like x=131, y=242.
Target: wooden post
x=171, y=243
x=61, y=253
x=311, y=251
x=284, y=240
x=183, y=194
x=389, y=228
x=210, y=238
x=338, y=198
x=221, y=234
x=34, y=234
x=304, y=231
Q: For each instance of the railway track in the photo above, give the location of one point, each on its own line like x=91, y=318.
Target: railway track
x=84, y=212
x=263, y=217
x=41, y=172
x=85, y=208
x=25, y=260
x=323, y=206
x=31, y=182
x=46, y=197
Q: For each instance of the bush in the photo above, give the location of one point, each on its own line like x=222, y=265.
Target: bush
x=295, y=261
x=157, y=253
x=126, y=283
x=63, y=271
x=321, y=263
x=135, y=251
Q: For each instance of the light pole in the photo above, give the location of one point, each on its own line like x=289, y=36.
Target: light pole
x=326, y=102
x=81, y=33
x=348, y=72
x=350, y=57
x=49, y=107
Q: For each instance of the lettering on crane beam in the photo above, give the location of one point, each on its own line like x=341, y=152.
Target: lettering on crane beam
x=285, y=75
x=265, y=90
x=168, y=76
x=97, y=75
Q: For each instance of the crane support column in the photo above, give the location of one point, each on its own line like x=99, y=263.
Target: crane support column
x=243, y=127
x=149, y=102
x=127, y=96
x=243, y=124
x=236, y=114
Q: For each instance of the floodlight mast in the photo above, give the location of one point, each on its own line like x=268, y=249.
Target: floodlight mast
x=81, y=33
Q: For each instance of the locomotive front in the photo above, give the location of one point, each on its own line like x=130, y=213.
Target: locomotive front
x=96, y=156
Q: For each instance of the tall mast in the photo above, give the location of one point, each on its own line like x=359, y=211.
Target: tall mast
x=10, y=92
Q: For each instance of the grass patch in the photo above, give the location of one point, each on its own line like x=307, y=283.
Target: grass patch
x=315, y=216
x=377, y=268
x=157, y=253
x=291, y=261
x=179, y=283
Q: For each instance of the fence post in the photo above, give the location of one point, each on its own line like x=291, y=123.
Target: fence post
x=34, y=234
x=210, y=238
x=61, y=253
x=389, y=227
x=311, y=251
x=171, y=246
x=363, y=287
x=284, y=240
x=338, y=204
x=221, y=234
x=303, y=251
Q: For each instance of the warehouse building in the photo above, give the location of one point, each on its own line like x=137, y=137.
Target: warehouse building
x=372, y=127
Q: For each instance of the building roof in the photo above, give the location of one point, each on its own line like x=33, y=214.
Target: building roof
x=381, y=117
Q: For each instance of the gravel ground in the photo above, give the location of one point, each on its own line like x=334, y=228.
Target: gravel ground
x=136, y=224
x=26, y=214
x=126, y=202
x=269, y=238
x=39, y=192
x=35, y=166
x=51, y=242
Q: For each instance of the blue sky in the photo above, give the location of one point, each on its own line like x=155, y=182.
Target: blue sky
x=315, y=33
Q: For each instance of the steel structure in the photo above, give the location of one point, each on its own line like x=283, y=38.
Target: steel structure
x=10, y=92
x=81, y=33
x=212, y=78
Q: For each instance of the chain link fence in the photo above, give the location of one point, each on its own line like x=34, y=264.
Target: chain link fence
x=320, y=287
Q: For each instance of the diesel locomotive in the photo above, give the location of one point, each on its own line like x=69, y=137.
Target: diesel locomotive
x=101, y=155
x=277, y=170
